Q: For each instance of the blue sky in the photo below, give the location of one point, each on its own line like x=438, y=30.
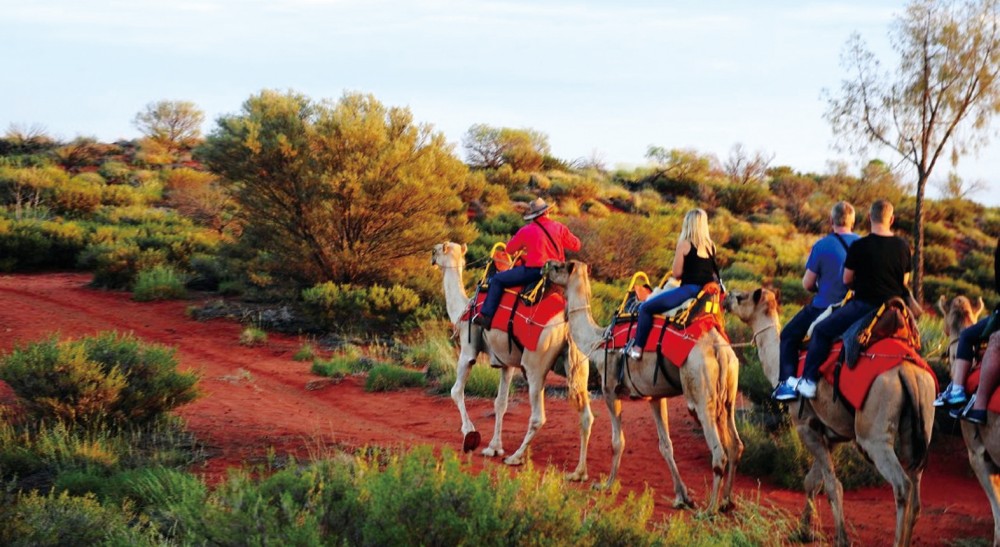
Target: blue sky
x=604, y=79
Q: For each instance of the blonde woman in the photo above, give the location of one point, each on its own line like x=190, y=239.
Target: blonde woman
x=694, y=266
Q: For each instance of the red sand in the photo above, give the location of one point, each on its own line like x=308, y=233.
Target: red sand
x=255, y=399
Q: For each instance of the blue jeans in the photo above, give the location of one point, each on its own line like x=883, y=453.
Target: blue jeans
x=518, y=275
x=828, y=330
x=792, y=336
x=968, y=339
x=658, y=304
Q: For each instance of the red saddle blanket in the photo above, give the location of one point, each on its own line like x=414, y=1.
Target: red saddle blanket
x=876, y=359
x=676, y=343
x=529, y=321
x=972, y=383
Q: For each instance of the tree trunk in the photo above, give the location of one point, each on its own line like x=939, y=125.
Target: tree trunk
x=917, y=281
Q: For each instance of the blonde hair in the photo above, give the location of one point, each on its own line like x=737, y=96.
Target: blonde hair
x=695, y=230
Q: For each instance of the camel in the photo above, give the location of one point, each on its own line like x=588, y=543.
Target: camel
x=983, y=445
x=707, y=380
x=450, y=258
x=893, y=426
x=958, y=315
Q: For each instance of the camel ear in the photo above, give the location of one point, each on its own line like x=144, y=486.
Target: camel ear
x=465, y=248
x=570, y=266
x=756, y=296
x=777, y=295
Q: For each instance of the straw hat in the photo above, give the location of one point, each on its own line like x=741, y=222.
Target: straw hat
x=536, y=209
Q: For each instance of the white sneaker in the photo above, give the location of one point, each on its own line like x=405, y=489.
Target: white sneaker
x=806, y=388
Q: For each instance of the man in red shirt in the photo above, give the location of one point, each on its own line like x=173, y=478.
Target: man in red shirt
x=542, y=239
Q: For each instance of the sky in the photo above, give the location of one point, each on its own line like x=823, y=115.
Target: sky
x=603, y=80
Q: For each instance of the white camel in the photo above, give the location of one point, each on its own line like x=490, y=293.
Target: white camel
x=894, y=424
x=535, y=364
x=983, y=445
x=707, y=379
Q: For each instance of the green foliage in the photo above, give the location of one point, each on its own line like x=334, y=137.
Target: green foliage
x=159, y=283
x=742, y=199
x=364, y=310
x=434, y=353
x=306, y=352
x=61, y=519
x=938, y=259
x=385, y=377
x=253, y=336
x=106, y=377
x=312, y=210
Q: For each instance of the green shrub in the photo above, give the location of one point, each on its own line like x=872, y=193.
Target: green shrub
x=253, y=336
x=116, y=266
x=482, y=381
x=364, y=310
x=306, y=352
x=159, y=283
x=938, y=259
x=742, y=199
x=106, y=377
x=61, y=519
x=434, y=353
x=392, y=378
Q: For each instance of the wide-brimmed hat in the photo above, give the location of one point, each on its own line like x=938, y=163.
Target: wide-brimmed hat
x=536, y=209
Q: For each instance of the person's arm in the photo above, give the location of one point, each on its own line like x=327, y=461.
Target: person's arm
x=848, y=277
x=906, y=280
x=570, y=241
x=517, y=242
x=683, y=247
x=809, y=281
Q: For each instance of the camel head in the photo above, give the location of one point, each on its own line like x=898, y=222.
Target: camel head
x=571, y=272
x=747, y=306
x=959, y=313
x=448, y=255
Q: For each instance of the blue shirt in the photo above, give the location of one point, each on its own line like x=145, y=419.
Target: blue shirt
x=826, y=260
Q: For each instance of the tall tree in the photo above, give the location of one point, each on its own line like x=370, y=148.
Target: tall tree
x=491, y=147
x=937, y=102
x=337, y=191
x=175, y=125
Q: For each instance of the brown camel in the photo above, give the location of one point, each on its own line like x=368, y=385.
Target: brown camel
x=983, y=444
x=958, y=314
x=893, y=426
x=707, y=380
x=450, y=257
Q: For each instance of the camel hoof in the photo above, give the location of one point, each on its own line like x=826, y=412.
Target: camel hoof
x=471, y=441
x=682, y=503
x=576, y=477
x=513, y=461
x=802, y=536
x=727, y=506
x=491, y=452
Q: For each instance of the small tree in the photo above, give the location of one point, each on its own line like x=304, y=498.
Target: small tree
x=337, y=191
x=492, y=147
x=939, y=100
x=175, y=125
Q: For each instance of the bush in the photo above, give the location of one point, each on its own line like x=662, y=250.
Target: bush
x=106, y=377
x=393, y=378
x=938, y=259
x=253, y=336
x=306, y=352
x=364, y=310
x=742, y=199
x=159, y=283
x=61, y=519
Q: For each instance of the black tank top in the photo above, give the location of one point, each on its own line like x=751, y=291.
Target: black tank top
x=697, y=270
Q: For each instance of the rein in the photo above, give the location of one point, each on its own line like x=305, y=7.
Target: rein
x=753, y=339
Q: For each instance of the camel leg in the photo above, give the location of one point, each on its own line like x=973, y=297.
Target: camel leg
x=462, y=370
x=986, y=471
x=617, y=434
x=880, y=450
x=734, y=450
x=659, y=408
x=495, y=447
x=577, y=376
x=536, y=394
x=821, y=472
x=712, y=438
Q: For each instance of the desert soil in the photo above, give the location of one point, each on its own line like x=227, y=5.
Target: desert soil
x=255, y=400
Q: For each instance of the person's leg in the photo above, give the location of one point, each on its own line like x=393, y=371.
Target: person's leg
x=792, y=335
x=509, y=278
x=965, y=352
x=827, y=331
x=660, y=303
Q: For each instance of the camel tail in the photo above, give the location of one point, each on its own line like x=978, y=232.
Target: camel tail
x=912, y=420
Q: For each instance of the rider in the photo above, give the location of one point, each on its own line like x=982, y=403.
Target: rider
x=824, y=276
x=877, y=267
x=694, y=266
x=990, y=375
x=955, y=394
x=542, y=239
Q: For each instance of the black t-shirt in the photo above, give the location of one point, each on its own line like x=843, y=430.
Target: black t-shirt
x=879, y=264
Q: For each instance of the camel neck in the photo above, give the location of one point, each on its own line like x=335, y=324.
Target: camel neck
x=767, y=336
x=586, y=332
x=456, y=299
